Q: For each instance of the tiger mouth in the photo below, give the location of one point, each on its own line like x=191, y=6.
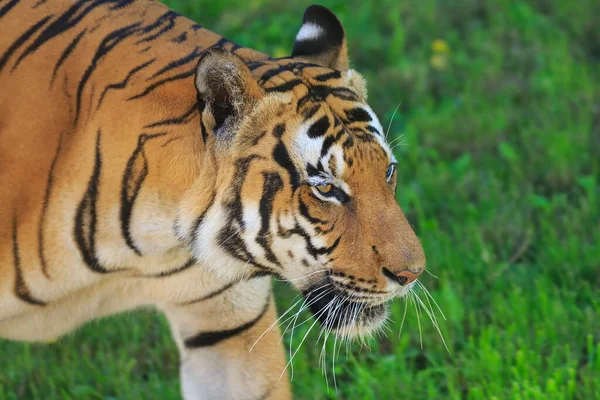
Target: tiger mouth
x=344, y=315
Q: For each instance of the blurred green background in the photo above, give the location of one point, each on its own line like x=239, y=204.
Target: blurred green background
x=498, y=137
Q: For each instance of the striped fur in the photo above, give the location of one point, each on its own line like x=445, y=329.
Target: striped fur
x=146, y=161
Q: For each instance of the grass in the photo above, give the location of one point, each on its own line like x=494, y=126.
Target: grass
x=499, y=172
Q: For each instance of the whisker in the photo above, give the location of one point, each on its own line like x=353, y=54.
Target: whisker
x=403, y=316
x=295, y=319
x=285, y=313
x=428, y=295
x=429, y=272
x=302, y=277
x=294, y=325
x=434, y=322
x=418, y=317
x=304, y=338
x=392, y=119
x=305, y=306
x=276, y=321
x=396, y=139
x=398, y=144
x=322, y=356
x=334, y=317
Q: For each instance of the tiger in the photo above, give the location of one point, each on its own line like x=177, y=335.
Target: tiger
x=146, y=161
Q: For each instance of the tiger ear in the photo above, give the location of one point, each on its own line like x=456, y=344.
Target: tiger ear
x=321, y=39
x=227, y=91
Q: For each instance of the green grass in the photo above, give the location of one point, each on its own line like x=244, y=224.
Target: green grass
x=499, y=174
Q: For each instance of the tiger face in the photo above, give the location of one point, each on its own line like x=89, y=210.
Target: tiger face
x=304, y=181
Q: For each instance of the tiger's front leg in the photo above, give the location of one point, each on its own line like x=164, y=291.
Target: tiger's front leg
x=215, y=334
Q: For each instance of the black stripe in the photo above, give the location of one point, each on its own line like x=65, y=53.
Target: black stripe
x=306, y=214
x=309, y=112
x=374, y=130
x=39, y=3
x=85, y=218
x=358, y=114
x=220, y=43
x=42, y=221
x=330, y=141
x=322, y=231
x=271, y=73
x=133, y=179
x=181, y=38
x=282, y=157
x=20, y=40
x=21, y=290
x=7, y=7
x=169, y=17
x=327, y=76
x=65, y=22
x=310, y=248
x=285, y=87
x=258, y=137
x=229, y=236
x=303, y=100
x=119, y=4
x=189, y=263
x=162, y=82
x=123, y=83
x=272, y=185
x=204, y=339
x=201, y=217
x=348, y=142
x=179, y=62
x=107, y=44
x=210, y=295
x=319, y=128
x=344, y=94
x=252, y=65
x=223, y=42
x=66, y=54
x=312, y=171
x=330, y=249
x=321, y=92
x=279, y=130
x=182, y=119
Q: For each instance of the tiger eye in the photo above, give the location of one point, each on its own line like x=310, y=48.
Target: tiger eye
x=325, y=188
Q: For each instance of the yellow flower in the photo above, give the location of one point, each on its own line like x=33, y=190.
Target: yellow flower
x=439, y=61
x=440, y=46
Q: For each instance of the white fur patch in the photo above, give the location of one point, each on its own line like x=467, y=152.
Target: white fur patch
x=309, y=31
x=306, y=148
x=381, y=137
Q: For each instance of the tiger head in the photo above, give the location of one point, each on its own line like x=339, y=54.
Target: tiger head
x=302, y=182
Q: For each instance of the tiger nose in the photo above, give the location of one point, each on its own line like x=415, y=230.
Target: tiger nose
x=403, y=277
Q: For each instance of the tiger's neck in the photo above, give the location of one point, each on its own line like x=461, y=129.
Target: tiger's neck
x=161, y=171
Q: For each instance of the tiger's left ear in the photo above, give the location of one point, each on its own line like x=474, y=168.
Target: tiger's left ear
x=321, y=39
x=227, y=92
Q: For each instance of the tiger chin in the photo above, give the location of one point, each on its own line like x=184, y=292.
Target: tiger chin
x=149, y=162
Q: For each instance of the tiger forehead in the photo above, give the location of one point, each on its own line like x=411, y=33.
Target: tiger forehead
x=271, y=74
x=315, y=87
x=307, y=82
x=335, y=119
